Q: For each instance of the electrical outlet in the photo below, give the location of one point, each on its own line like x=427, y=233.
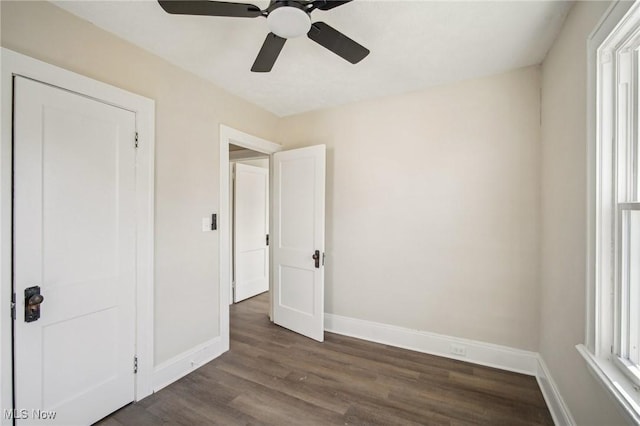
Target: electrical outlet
x=458, y=350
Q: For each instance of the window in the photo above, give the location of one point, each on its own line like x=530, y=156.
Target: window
x=612, y=349
x=619, y=201
x=628, y=288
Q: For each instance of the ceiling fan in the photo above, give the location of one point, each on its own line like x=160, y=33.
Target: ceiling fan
x=285, y=18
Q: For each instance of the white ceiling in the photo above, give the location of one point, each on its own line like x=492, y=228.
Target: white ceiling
x=414, y=45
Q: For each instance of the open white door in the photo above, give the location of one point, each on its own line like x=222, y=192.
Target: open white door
x=251, y=230
x=298, y=240
x=75, y=242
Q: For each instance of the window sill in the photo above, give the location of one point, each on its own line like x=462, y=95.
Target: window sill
x=616, y=383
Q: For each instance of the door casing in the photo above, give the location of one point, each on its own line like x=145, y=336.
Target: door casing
x=14, y=64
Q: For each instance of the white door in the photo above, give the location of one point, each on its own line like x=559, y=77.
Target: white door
x=74, y=237
x=298, y=240
x=251, y=229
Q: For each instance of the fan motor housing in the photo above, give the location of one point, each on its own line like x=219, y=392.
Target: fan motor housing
x=288, y=19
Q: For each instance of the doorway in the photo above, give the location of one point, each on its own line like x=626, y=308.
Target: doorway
x=239, y=142
x=296, y=249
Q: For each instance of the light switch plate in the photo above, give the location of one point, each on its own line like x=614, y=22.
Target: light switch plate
x=206, y=224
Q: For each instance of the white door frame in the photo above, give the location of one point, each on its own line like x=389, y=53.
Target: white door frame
x=228, y=136
x=17, y=64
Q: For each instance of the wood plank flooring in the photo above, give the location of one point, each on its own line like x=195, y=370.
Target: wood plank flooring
x=274, y=376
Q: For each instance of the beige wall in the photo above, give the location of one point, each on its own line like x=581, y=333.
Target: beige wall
x=563, y=245
x=189, y=111
x=433, y=207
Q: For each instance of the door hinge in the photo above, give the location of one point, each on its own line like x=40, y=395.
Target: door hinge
x=135, y=364
x=322, y=258
x=233, y=292
x=136, y=139
x=612, y=349
x=13, y=306
x=267, y=239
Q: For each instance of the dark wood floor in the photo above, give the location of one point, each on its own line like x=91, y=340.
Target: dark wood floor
x=274, y=376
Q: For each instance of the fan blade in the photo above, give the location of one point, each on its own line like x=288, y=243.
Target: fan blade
x=337, y=42
x=210, y=8
x=268, y=53
x=328, y=4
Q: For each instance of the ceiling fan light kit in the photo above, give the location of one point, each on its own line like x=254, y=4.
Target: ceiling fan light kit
x=285, y=19
x=289, y=21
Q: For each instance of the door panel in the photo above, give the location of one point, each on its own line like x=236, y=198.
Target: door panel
x=74, y=236
x=69, y=202
x=251, y=226
x=299, y=191
x=296, y=290
x=297, y=181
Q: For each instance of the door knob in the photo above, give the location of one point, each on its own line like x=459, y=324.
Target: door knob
x=36, y=299
x=316, y=258
x=32, y=301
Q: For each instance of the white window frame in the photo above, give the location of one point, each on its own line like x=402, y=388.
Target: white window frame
x=612, y=115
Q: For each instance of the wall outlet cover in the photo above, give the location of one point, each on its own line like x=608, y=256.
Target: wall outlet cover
x=459, y=350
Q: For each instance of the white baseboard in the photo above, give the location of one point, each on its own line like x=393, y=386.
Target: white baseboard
x=186, y=362
x=491, y=355
x=559, y=410
x=482, y=353
x=488, y=354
